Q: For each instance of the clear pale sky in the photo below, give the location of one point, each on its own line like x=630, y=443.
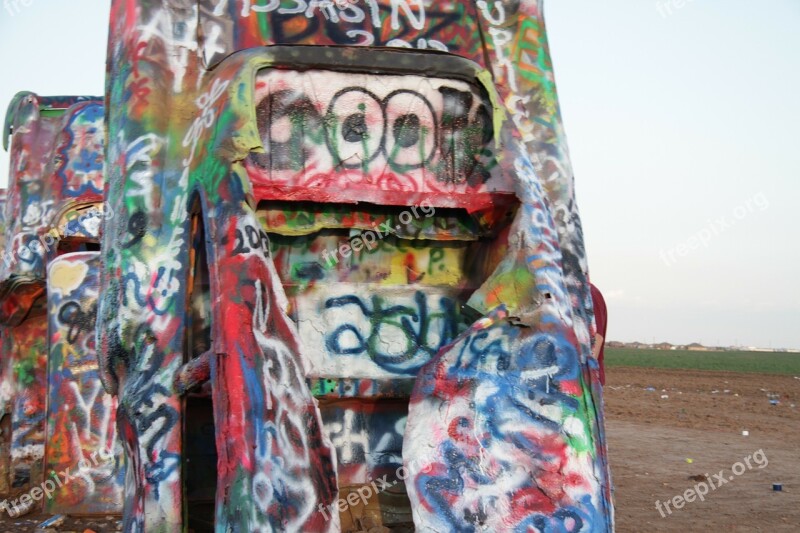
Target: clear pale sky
x=683, y=126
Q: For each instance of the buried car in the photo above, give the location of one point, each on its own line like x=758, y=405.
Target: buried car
x=346, y=250
x=55, y=416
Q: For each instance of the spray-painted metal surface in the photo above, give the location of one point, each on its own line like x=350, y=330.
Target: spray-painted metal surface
x=56, y=154
x=28, y=206
x=25, y=347
x=81, y=429
x=6, y=383
x=60, y=418
x=239, y=275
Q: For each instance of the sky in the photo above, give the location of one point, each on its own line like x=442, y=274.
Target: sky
x=683, y=126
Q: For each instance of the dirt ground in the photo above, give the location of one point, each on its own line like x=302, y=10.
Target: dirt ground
x=30, y=523
x=657, y=443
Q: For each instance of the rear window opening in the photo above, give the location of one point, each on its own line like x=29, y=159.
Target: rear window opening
x=68, y=246
x=424, y=246
x=418, y=221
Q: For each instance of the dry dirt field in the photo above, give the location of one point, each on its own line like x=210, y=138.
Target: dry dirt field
x=652, y=439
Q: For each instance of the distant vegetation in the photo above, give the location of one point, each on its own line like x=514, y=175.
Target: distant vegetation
x=758, y=362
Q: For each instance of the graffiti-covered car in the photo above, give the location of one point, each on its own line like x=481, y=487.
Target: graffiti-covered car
x=56, y=418
x=346, y=267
